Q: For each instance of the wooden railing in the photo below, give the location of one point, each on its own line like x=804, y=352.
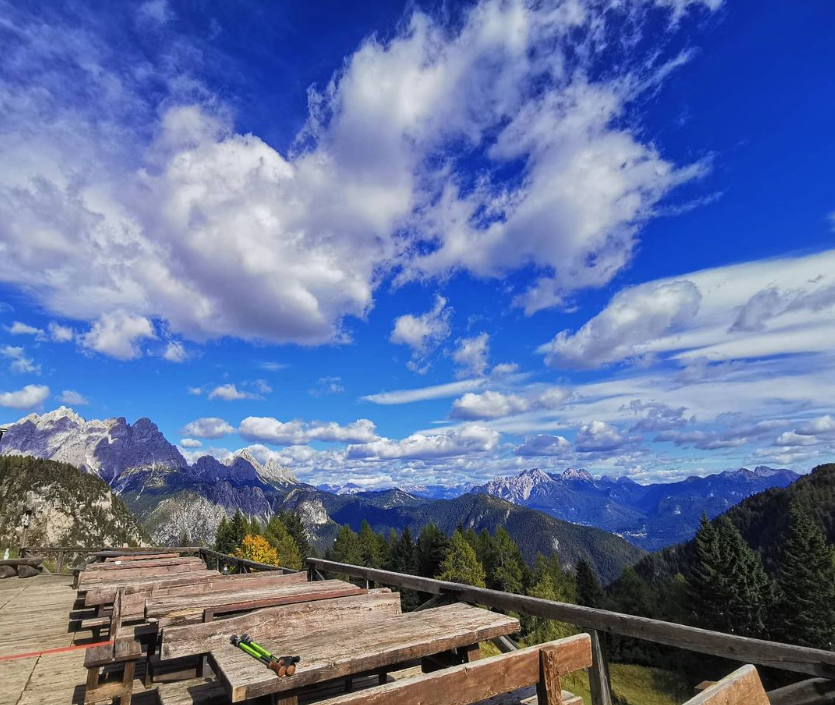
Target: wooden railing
x=799, y=659
x=238, y=565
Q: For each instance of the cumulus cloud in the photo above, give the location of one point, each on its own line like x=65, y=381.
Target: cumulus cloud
x=655, y=416
x=20, y=362
x=73, y=398
x=207, y=427
x=118, y=335
x=271, y=430
x=27, y=398
x=471, y=355
x=463, y=440
x=190, y=443
x=120, y=186
x=493, y=405
x=422, y=333
x=544, y=445
x=18, y=328
x=812, y=432
x=230, y=392
x=59, y=333
x=175, y=352
x=734, y=436
x=600, y=437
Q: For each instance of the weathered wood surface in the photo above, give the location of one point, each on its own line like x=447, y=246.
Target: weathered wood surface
x=140, y=557
x=742, y=687
x=15, y=562
x=190, y=608
x=133, y=604
x=103, y=594
x=475, y=682
x=336, y=653
x=816, y=662
x=814, y=691
x=131, y=565
x=342, y=612
x=88, y=578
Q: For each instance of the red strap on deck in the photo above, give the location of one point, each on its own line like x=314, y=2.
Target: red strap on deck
x=59, y=650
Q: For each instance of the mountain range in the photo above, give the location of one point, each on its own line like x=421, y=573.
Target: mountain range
x=650, y=516
x=172, y=497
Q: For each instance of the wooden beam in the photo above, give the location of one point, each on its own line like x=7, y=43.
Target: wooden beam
x=815, y=662
x=599, y=683
x=815, y=691
x=479, y=680
x=742, y=687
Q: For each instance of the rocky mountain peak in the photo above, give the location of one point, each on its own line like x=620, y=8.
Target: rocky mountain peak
x=577, y=474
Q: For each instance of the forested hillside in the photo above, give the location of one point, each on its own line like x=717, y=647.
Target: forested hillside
x=71, y=507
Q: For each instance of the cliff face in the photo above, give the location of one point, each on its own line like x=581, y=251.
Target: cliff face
x=70, y=507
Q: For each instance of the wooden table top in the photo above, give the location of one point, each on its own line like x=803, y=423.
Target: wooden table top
x=182, y=609
x=338, y=653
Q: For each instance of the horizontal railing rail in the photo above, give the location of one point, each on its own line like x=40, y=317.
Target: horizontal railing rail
x=241, y=565
x=799, y=659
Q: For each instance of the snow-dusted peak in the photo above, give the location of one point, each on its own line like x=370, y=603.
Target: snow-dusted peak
x=245, y=467
x=577, y=474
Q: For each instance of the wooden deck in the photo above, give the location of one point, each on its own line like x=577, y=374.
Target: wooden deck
x=35, y=617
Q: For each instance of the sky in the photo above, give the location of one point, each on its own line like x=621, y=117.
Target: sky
x=426, y=243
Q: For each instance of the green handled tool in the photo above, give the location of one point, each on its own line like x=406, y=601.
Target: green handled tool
x=281, y=665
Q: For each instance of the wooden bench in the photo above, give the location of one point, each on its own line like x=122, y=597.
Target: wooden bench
x=89, y=578
x=104, y=594
x=742, y=687
x=491, y=680
x=127, y=566
x=139, y=557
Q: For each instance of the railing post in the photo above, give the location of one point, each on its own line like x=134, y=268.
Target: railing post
x=599, y=684
x=60, y=562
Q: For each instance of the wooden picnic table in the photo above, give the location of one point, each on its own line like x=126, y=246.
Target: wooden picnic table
x=374, y=646
x=88, y=578
x=188, y=609
x=136, y=557
x=104, y=594
x=126, y=566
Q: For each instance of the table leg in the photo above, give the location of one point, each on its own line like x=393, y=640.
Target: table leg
x=469, y=653
x=127, y=683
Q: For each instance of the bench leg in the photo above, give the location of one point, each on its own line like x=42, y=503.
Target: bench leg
x=469, y=653
x=92, y=678
x=285, y=699
x=127, y=683
x=549, y=687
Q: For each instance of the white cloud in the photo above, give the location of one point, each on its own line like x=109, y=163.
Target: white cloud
x=118, y=334
x=326, y=386
x=272, y=366
x=492, y=405
x=423, y=333
x=20, y=362
x=30, y=396
x=471, y=355
x=120, y=186
x=438, y=391
x=812, y=432
x=207, y=427
x=544, y=445
x=175, y=352
x=757, y=309
x=229, y=392
x=190, y=443
x=18, y=328
x=271, y=430
x=464, y=440
x=600, y=437
x=194, y=391
x=59, y=333
x=73, y=398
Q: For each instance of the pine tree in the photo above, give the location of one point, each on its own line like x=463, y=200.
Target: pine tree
x=729, y=588
x=255, y=528
x=506, y=568
x=346, y=547
x=589, y=592
x=403, y=553
x=432, y=547
x=806, y=578
x=185, y=539
x=372, y=549
x=284, y=544
x=633, y=595
x=224, y=538
x=293, y=522
x=461, y=564
x=240, y=526
x=537, y=629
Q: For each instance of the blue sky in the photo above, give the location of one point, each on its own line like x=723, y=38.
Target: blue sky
x=426, y=242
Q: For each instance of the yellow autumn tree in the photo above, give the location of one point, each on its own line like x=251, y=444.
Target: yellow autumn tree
x=258, y=549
